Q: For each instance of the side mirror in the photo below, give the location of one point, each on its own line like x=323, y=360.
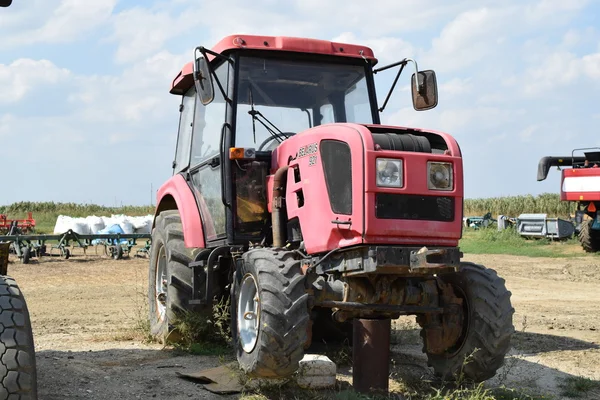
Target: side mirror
x=426, y=96
x=203, y=80
x=5, y=3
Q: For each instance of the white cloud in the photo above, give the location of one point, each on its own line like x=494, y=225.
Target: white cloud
x=24, y=74
x=140, y=93
x=52, y=21
x=142, y=32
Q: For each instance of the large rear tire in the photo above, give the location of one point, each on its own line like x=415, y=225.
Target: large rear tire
x=269, y=313
x=18, y=376
x=170, y=277
x=588, y=237
x=487, y=326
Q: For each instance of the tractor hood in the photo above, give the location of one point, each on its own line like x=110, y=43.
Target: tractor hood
x=335, y=193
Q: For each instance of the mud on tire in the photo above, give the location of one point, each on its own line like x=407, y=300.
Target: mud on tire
x=488, y=326
x=170, y=293
x=18, y=377
x=282, y=313
x=589, y=238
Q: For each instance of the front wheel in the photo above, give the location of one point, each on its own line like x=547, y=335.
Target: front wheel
x=487, y=326
x=588, y=237
x=269, y=313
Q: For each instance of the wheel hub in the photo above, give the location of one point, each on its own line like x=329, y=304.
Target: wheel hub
x=248, y=313
x=161, y=284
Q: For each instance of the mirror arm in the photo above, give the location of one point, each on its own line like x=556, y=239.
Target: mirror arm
x=417, y=86
x=403, y=63
x=204, y=51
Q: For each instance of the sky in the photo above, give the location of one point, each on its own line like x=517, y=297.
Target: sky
x=86, y=115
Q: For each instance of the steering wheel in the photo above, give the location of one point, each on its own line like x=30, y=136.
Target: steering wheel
x=282, y=135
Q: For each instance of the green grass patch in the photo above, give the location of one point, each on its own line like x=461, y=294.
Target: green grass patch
x=491, y=241
x=204, y=333
x=580, y=387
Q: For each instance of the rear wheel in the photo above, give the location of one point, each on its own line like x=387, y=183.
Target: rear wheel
x=588, y=237
x=170, y=277
x=486, y=326
x=269, y=313
x=18, y=377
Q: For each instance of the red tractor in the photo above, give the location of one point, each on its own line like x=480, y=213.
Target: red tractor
x=291, y=200
x=580, y=184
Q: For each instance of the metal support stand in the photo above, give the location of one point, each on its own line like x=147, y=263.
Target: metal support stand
x=371, y=355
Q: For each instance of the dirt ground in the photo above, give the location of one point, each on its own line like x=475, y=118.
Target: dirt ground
x=85, y=310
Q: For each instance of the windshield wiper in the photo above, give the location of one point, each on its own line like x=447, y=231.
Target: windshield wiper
x=255, y=114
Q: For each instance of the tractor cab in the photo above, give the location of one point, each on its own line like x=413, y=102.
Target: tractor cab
x=249, y=94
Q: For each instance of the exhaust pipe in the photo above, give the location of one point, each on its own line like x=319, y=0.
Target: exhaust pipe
x=279, y=181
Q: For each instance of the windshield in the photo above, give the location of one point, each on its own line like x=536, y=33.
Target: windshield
x=290, y=96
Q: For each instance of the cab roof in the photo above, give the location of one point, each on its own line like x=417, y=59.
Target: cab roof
x=184, y=80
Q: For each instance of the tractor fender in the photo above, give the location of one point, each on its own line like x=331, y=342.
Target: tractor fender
x=176, y=194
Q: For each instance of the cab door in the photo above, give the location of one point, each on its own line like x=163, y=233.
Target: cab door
x=206, y=163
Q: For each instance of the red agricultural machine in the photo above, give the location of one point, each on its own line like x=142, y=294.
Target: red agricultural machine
x=291, y=200
x=580, y=184
x=26, y=225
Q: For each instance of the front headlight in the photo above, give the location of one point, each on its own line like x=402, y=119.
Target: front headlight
x=389, y=172
x=440, y=175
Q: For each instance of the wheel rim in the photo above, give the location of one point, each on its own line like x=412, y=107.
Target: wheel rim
x=161, y=283
x=460, y=342
x=248, y=314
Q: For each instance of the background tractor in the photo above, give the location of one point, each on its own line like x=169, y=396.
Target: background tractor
x=580, y=184
x=290, y=199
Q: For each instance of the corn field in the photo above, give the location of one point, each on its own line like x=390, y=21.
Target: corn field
x=72, y=209
x=513, y=206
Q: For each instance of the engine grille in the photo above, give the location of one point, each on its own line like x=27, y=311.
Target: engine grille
x=337, y=165
x=414, y=207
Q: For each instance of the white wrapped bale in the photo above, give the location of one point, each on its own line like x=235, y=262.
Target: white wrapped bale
x=80, y=226
x=142, y=224
x=123, y=222
x=63, y=224
x=95, y=224
x=77, y=225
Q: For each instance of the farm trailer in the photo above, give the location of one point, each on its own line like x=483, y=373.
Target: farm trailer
x=580, y=184
x=116, y=245
x=291, y=200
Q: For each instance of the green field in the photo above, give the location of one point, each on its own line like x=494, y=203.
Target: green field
x=513, y=206
x=491, y=241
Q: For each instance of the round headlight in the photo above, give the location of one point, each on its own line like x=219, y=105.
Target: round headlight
x=440, y=176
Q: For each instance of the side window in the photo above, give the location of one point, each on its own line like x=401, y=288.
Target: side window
x=208, y=121
x=327, y=114
x=182, y=153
